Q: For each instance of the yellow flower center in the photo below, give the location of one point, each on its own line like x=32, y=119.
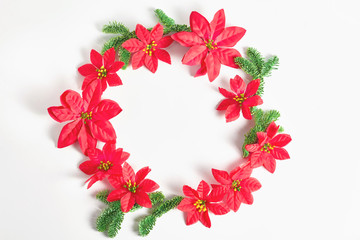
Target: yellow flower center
x=102, y=72
x=131, y=186
x=236, y=185
x=150, y=48
x=86, y=116
x=105, y=165
x=210, y=44
x=267, y=147
x=240, y=99
x=200, y=205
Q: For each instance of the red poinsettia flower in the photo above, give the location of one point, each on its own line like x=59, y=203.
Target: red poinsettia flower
x=268, y=148
x=102, y=164
x=147, y=49
x=210, y=44
x=89, y=117
x=131, y=188
x=199, y=202
x=238, y=185
x=102, y=68
x=242, y=98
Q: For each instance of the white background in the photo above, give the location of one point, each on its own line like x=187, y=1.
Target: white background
x=169, y=121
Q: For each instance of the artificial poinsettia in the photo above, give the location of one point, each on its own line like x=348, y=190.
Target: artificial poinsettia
x=238, y=185
x=268, y=148
x=210, y=44
x=199, y=202
x=101, y=68
x=103, y=163
x=131, y=188
x=241, y=99
x=147, y=48
x=89, y=117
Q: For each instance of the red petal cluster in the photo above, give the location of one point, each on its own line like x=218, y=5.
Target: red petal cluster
x=268, y=148
x=210, y=44
x=131, y=188
x=241, y=99
x=147, y=48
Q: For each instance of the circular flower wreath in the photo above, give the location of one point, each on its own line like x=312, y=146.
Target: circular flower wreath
x=210, y=46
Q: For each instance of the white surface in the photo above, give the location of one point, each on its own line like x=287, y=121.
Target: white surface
x=169, y=120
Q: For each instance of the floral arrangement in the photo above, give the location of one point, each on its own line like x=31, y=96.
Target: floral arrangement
x=210, y=46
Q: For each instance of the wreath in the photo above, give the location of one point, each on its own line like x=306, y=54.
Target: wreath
x=210, y=46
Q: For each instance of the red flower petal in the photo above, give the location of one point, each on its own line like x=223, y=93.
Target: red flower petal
x=108, y=149
x=226, y=93
x=272, y=129
x=280, y=140
x=142, y=199
x=217, y=194
x=199, y=25
x=102, y=130
x=224, y=104
x=221, y=176
x=72, y=100
x=87, y=69
x=151, y=62
x=253, y=101
x=127, y=202
x=217, y=25
x=252, y=88
x=237, y=85
x=157, y=32
x=217, y=208
x=89, y=167
x=269, y=163
x=116, y=181
x=116, y=67
x=96, y=58
x=202, y=70
x=257, y=159
x=163, y=55
x=246, y=112
x=186, y=205
x=241, y=173
x=251, y=183
x=113, y=80
x=203, y=189
x=247, y=196
x=142, y=33
x=99, y=176
x=138, y=59
x=148, y=186
x=117, y=194
x=91, y=95
x=106, y=110
x=252, y=147
x=165, y=42
x=192, y=217
x=133, y=45
x=86, y=140
x=230, y=36
x=124, y=156
x=262, y=138
x=189, y=192
x=187, y=39
x=128, y=173
x=195, y=55
x=226, y=56
x=280, y=153
x=89, y=79
x=204, y=219
x=233, y=200
x=61, y=114
x=69, y=133
x=109, y=58
x=141, y=174
x=232, y=113
x=213, y=66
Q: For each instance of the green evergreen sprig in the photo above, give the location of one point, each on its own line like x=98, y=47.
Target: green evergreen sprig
x=256, y=66
x=262, y=121
x=125, y=34
x=148, y=222
x=111, y=218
